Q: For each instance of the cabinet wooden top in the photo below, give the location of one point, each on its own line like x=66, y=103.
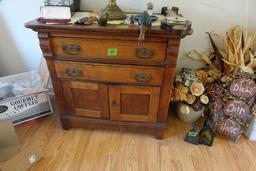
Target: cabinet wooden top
x=109, y=29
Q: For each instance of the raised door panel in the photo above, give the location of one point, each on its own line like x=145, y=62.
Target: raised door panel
x=86, y=99
x=133, y=103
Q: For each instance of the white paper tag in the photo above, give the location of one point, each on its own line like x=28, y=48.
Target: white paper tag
x=32, y=159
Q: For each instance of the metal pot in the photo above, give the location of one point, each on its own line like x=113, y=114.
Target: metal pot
x=187, y=113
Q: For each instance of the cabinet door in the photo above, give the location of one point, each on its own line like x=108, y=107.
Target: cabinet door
x=134, y=103
x=86, y=99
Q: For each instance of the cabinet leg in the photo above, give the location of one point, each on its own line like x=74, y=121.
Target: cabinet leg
x=65, y=124
x=159, y=133
x=65, y=127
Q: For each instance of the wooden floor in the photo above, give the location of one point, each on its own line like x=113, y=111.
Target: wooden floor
x=97, y=150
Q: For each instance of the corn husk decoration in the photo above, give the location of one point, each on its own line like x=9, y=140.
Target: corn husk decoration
x=236, y=55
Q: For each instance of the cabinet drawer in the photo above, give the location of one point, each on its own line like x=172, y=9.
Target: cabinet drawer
x=108, y=49
x=110, y=73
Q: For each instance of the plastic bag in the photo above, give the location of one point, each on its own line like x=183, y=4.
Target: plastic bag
x=6, y=90
x=27, y=85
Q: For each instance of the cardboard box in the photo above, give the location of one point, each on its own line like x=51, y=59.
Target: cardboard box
x=30, y=104
x=11, y=158
x=250, y=132
x=9, y=142
x=21, y=108
x=25, y=159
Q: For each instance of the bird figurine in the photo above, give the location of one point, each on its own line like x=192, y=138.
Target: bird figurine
x=145, y=24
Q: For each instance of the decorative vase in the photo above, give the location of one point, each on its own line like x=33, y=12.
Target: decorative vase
x=102, y=18
x=187, y=113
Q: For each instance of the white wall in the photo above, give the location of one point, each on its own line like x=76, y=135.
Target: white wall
x=252, y=15
x=19, y=49
x=206, y=15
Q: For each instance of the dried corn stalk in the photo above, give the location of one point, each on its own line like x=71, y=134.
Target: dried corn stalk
x=237, y=53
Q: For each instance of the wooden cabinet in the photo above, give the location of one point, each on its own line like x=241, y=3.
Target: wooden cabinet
x=103, y=79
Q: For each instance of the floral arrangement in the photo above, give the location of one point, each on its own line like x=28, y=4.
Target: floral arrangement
x=189, y=86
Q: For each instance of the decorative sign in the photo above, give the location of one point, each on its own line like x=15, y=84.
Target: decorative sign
x=237, y=109
x=243, y=88
x=229, y=128
x=216, y=105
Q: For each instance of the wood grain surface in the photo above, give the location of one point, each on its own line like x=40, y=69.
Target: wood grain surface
x=93, y=48
x=98, y=150
x=124, y=109
x=110, y=73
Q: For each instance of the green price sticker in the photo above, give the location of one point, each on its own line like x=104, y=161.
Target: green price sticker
x=192, y=134
x=112, y=52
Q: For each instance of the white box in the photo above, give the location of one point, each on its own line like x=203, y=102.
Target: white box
x=250, y=132
x=27, y=106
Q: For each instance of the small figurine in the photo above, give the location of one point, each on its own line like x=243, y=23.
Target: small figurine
x=132, y=20
x=150, y=8
x=206, y=135
x=145, y=24
x=192, y=136
x=102, y=18
x=175, y=10
x=164, y=11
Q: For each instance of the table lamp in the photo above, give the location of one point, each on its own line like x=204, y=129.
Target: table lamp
x=115, y=13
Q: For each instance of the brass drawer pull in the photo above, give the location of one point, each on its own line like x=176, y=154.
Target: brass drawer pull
x=144, y=53
x=71, y=49
x=74, y=72
x=143, y=77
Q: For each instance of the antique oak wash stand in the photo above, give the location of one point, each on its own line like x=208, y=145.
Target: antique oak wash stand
x=103, y=79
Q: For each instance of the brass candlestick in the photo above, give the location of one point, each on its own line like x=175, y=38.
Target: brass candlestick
x=115, y=13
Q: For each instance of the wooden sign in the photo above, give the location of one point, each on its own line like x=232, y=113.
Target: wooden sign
x=216, y=105
x=229, y=128
x=243, y=88
x=237, y=109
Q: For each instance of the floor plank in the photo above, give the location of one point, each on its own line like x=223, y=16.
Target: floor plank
x=100, y=150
